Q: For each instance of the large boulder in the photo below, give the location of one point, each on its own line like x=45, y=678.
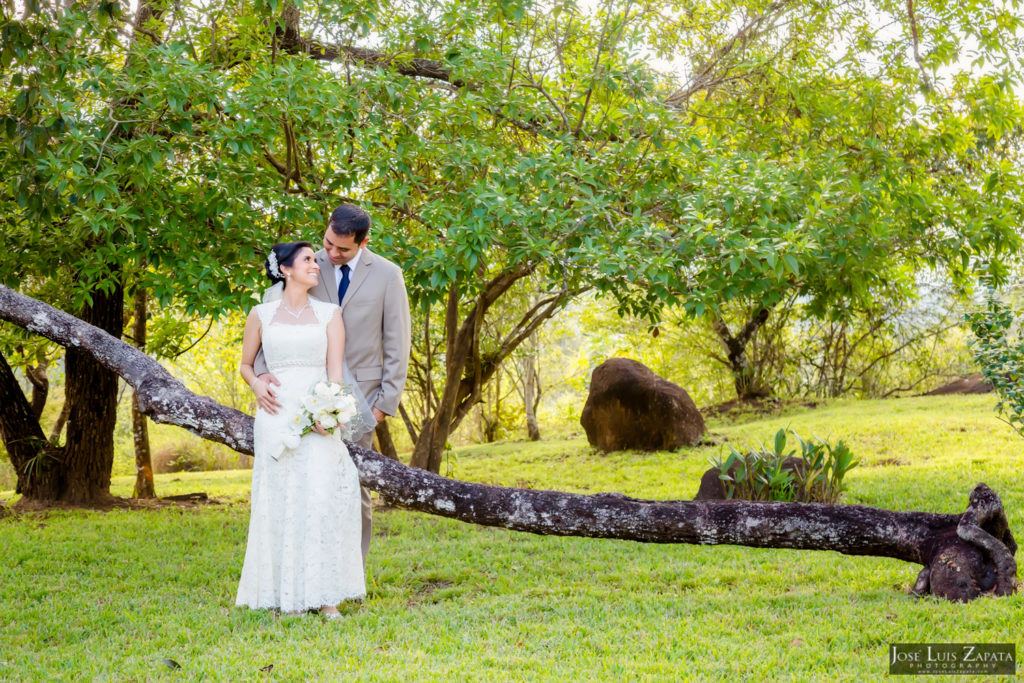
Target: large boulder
x=629, y=407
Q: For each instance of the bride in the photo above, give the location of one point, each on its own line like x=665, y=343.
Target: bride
x=305, y=527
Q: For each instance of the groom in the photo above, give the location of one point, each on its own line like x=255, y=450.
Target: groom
x=375, y=308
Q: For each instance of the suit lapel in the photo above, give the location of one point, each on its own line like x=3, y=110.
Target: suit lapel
x=359, y=276
x=327, y=281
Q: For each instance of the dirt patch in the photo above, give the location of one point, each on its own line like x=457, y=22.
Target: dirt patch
x=187, y=500
x=756, y=406
x=889, y=462
x=428, y=588
x=972, y=384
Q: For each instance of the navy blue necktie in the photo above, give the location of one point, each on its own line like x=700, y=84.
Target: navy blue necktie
x=343, y=285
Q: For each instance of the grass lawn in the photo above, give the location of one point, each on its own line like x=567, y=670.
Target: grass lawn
x=91, y=595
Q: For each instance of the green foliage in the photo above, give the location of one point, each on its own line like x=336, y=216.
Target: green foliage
x=550, y=142
x=998, y=350
x=829, y=173
x=765, y=475
x=209, y=366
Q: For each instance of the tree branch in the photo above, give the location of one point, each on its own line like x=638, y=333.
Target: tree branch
x=712, y=73
x=965, y=556
x=916, y=40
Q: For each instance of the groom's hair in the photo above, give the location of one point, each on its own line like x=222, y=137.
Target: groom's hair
x=349, y=219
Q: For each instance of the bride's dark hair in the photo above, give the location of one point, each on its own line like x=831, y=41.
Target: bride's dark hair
x=282, y=254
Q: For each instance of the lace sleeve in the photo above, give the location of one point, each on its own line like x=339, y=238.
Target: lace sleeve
x=266, y=312
x=324, y=310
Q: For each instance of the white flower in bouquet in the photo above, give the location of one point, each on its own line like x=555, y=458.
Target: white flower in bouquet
x=326, y=390
x=327, y=420
x=314, y=403
x=345, y=407
x=328, y=403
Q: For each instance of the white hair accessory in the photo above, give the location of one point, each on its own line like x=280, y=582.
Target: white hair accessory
x=275, y=269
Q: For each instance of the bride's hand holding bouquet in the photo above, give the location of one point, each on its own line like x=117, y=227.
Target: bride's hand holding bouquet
x=328, y=409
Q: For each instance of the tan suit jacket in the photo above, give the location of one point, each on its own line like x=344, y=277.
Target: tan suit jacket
x=377, y=333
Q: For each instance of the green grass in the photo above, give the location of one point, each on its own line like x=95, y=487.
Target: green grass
x=89, y=595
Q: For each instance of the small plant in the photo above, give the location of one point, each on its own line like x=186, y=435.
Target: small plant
x=813, y=476
x=450, y=458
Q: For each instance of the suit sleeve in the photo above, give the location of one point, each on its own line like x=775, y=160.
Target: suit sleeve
x=396, y=334
x=259, y=366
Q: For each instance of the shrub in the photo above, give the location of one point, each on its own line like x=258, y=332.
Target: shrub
x=769, y=475
x=193, y=456
x=998, y=349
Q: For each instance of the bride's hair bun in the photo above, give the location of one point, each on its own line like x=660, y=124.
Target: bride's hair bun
x=282, y=254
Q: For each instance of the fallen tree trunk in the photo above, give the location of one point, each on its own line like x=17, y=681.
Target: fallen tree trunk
x=964, y=556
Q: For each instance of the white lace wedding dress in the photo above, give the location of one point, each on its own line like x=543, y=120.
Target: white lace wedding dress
x=305, y=526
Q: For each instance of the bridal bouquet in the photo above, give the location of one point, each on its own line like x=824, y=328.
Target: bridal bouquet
x=330, y=404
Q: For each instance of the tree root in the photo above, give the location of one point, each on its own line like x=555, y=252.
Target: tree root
x=976, y=558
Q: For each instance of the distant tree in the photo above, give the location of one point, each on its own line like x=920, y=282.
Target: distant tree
x=849, y=147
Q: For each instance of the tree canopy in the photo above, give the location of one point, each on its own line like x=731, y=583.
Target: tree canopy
x=661, y=153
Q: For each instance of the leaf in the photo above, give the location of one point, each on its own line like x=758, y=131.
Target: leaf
x=780, y=442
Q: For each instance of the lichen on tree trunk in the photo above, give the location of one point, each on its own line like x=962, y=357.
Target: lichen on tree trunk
x=91, y=390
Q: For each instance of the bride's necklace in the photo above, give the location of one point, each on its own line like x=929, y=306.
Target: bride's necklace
x=295, y=314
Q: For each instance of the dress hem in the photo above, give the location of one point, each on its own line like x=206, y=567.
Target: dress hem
x=296, y=608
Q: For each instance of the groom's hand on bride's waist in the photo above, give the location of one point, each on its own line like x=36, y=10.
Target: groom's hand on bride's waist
x=266, y=396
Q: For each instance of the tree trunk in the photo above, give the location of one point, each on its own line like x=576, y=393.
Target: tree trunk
x=91, y=391
x=429, y=448
x=385, y=444
x=58, y=426
x=493, y=423
x=36, y=463
x=466, y=370
x=40, y=386
x=531, y=392
x=144, y=485
x=964, y=556
x=407, y=421
x=745, y=377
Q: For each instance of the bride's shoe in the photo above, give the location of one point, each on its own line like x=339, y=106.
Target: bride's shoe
x=330, y=612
